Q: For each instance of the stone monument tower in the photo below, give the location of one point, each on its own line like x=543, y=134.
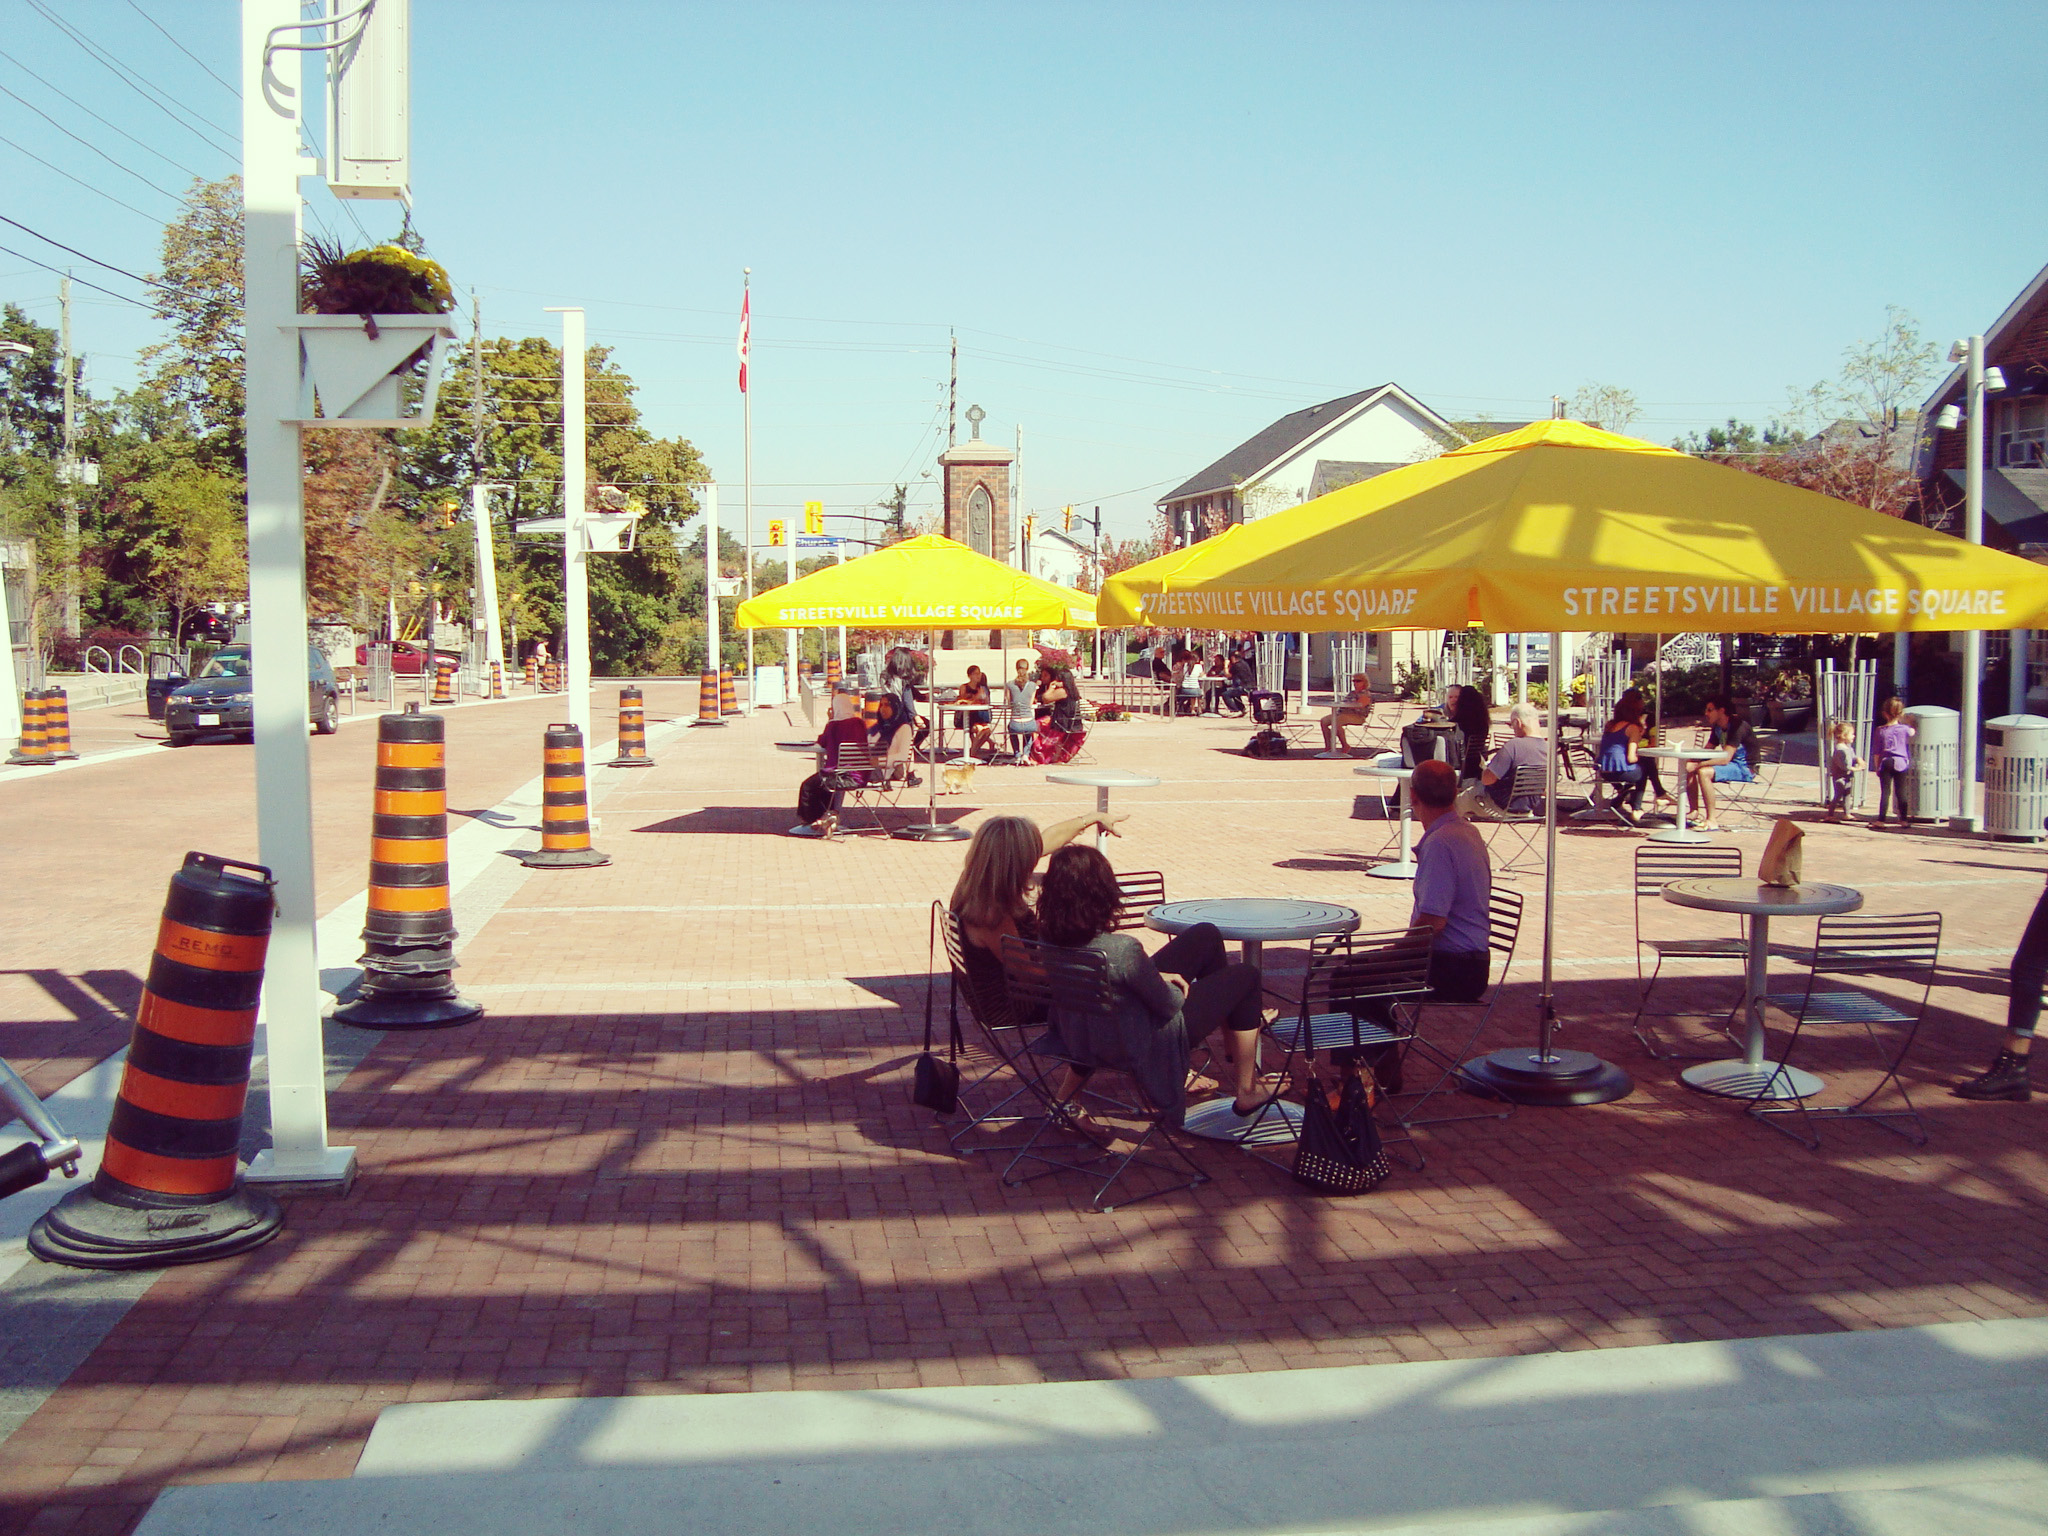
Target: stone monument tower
x=977, y=484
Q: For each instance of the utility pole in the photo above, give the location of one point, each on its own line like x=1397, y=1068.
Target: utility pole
x=1017, y=512
x=575, y=545
x=485, y=620
x=1096, y=557
x=952, y=388
x=67, y=472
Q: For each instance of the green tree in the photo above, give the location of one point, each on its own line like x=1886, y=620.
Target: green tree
x=192, y=536
x=197, y=370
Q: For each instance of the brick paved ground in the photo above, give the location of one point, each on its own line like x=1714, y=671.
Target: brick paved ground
x=679, y=1156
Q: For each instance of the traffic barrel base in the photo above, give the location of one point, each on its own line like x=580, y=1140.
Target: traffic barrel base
x=409, y=931
x=564, y=806
x=169, y=1189
x=632, y=732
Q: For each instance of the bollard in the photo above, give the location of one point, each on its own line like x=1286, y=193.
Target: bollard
x=409, y=933
x=728, y=693
x=34, y=751
x=57, y=725
x=497, y=679
x=564, y=806
x=707, y=701
x=169, y=1190
x=632, y=732
x=444, y=680
x=871, y=710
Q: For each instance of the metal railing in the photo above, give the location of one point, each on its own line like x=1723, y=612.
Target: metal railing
x=85, y=661
x=1840, y=694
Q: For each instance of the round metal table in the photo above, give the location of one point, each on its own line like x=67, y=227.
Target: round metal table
x=1749, y=1075
x=1680, y=833
x=1252, y=921
x=1390, y=767
x=1103, y=780
x=1255, y=921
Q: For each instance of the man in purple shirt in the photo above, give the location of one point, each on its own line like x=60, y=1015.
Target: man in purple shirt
x=1453, y=886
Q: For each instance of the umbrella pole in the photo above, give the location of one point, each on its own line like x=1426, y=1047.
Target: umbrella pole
x=931, y=829
x=1547, y=1076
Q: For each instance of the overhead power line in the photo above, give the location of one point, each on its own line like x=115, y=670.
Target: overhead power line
x=88, y=111
x=73, y=250
x=138, y=10
x=39, y=160
x=117, y=165
x=172, y=108
x=82, y=282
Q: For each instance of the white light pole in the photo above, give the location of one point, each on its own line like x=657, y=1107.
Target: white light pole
x=575, y=541
x=1970, y=351
x=488, y=618
x=298, y=1151
x=10, y=699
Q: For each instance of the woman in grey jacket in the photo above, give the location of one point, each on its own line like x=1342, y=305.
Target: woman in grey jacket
x=1157, y=1020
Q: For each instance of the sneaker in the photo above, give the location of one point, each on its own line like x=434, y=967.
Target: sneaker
x=2007, y=1079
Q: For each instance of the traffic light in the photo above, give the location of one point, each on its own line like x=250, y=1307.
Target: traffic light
x=775, y=533
x=814, y=517
x=1069, y=523
x=450, y=511
x=1030, y=523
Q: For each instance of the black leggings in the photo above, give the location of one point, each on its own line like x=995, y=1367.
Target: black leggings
x=1891, y=780
x=2029, y=972
x=1219, y=993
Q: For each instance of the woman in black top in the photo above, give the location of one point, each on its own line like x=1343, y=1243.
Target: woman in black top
x=1473, y=717
x=1156, y=1021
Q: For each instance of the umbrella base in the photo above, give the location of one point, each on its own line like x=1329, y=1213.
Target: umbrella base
x=932, y=832
x=1522, y=1075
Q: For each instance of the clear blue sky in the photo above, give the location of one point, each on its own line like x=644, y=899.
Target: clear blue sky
x=1155, y=226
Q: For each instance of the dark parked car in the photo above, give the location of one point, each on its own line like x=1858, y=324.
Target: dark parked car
x=219, y=700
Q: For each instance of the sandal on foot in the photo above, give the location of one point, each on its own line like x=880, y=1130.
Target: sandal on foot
x=1265, y=1093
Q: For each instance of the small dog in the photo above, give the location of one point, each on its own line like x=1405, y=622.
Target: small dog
x=957, y=777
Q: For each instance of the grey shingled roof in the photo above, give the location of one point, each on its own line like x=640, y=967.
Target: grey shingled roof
x=1255, y=453
x=2016, y=500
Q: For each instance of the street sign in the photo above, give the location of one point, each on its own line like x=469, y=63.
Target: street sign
x=817, y=541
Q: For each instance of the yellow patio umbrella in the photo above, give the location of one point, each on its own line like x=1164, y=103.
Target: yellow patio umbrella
x=923, y=585
x=1560, y=526
x=926, y=583
x=1557, y=527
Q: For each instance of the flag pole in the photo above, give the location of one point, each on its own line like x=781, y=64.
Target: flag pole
x=747, y=432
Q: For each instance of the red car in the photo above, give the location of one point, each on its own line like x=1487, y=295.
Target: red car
x=407, y=659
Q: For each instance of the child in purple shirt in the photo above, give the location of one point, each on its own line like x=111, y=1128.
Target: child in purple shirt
x=1891, y=753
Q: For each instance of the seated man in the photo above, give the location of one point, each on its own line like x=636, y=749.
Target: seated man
x=1733, y=735
x=1522, y=749
x=1244, y=678
x=1453, y=886
x=1355, y=708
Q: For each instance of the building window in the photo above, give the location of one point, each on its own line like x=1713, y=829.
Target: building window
x=980, y=520
x=2022, y=433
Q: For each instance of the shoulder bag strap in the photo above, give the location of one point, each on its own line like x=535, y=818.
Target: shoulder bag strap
x=931, y=975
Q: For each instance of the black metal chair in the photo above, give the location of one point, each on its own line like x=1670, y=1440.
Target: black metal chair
x=1521, y=827
x=1903, y=948
x=1746, y=799
x=1075, y=983
x=859, y=777
x=1657, y=865
x=1137, y=893
x=1503, y=930
x=1357, y=996
x=1011, y=1092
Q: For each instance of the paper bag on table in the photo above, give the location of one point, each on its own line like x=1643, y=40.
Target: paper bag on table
x=1781, y=860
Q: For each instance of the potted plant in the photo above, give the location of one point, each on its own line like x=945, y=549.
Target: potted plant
x=371, y=319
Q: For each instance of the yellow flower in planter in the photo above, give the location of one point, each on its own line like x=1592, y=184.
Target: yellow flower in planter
x=383, y=280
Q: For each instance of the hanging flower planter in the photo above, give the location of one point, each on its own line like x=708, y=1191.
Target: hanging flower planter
x=353, y=368
x=376, y=319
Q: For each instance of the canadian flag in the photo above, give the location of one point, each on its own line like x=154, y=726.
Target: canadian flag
x=746, y=328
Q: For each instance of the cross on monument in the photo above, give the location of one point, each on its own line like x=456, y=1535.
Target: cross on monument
x=975, y=417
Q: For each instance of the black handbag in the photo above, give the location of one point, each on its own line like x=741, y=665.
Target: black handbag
x=1339, y=1152
x=935, y=1084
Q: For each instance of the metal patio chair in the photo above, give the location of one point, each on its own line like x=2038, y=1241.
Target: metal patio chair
x=1503, y=929
x=1657, y=865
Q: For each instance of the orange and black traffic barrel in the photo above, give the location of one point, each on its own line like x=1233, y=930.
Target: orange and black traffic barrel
x=34, y=750
x=728, y=694
x=707, y=700
x=831, y=674
x=551, y=677
x=564, y=806
x=632, y=732
x=57, y=725
x=169, y=1188
x=533, y=671
x=497, y=679
x=409, y=931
